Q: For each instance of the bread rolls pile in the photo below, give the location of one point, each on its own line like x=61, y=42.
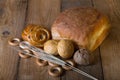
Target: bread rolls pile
x=84, y=27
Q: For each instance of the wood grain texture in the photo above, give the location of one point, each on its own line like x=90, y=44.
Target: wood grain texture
x=16, y=14
x=40, y=12
x=43, y=12
x=95, y=69
x=12, y=17
x=110, y=49
x=75, y=3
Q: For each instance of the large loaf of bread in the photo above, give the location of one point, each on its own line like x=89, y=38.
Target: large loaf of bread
x=87, y=27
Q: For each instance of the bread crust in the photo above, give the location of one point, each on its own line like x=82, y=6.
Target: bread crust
x=87, y=27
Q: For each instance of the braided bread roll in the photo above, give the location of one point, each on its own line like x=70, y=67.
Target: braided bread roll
x=36, y=35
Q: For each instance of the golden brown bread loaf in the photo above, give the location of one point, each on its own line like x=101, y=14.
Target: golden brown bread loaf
x=87, y=27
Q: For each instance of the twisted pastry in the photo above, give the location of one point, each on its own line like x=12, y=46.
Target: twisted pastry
x=36, y=35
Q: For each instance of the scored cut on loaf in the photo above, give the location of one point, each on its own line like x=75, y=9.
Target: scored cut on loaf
x=87, y=27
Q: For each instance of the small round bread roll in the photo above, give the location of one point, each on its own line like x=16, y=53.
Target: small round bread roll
x=82, y=57
x=51, y=47
x=87, y=27
x=65, y=48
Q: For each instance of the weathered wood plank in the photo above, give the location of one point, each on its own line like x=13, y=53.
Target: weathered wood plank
x=41, y=12
x=110, y=49
x=12, y=16
x=75, y=3
x=96, y=69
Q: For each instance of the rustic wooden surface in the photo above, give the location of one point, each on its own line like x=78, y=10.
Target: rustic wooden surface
x=16, y=14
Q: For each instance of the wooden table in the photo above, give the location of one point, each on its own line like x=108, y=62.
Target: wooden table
x=16, y=14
